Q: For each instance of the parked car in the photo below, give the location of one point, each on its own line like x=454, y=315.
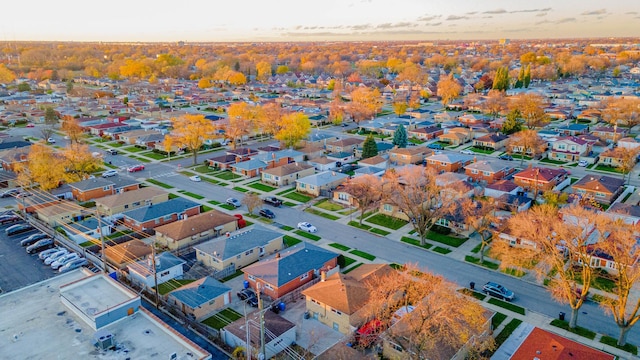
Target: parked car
x=112, y=151
x=63, y=260
x=499, y=291
x=135, y=168
x=8, y=219
x=505, y=157
x=435, y=146
x=195, y=178
x=30, y=125
x=272, y=200
x=40, y=245
x=73, y=264
x=46, y=253
x=234, y=202
x=51, y=140
x=267, y=213
x=467, y=152
x=17, y=229
x=109, y=173
x=305, y=226
x=53, y=257
x=249, y=296
x=583, y=163
x=31, y=239
x=9, y=193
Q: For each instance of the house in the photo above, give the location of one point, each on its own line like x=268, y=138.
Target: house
x=118, y=203
x=603, y=189
x=339, y=300
x=487, y=172
x=627, y=213
x=222, y=162
x=287, y=174
x=201, y=298
x=347, y=145
x=30, y=204
x=540, y=178
x=243, y=154
x=381, y=146
x=320, y=184
x=312, y=150
x=130, y=137
x=154, y=215
x=88, y=229
x=61, y=213
x=323, y=163
x=90, y=189
x=374, y=161
x=629, y=143
x=167, y=267
x=617, y=157
x=239, y=249
x=506, y=235
x=278, y=158
x=573, y=129
x=10, y=158
x=514, y=203
x=285, y=271
x=569, y=149
x=609, y=134
x=249, y=168
x=120, y=255
x=410, y=155
x=448, y=162
x=195, y=229
x=426, y=133
x=456, y=136
x=501, y=187
x=494, y=141
x=279, y=333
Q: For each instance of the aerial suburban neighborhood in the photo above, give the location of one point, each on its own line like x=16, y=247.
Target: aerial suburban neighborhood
x=397, y=200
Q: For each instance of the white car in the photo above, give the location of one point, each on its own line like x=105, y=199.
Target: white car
x=53, y=257
x=234, y=202
x=51, y=140
x=109, y=173
x=305, y=226
x=46, y=253
x=467, y=152
x=583, y=163
x=63, y=260
x=195, y=178
x=73, y=264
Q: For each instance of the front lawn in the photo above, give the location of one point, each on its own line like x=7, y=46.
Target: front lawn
x=227, y=175
x=551, y=161
x=578, y=330
x=357, y=225
x=446, y=239
x=133, y=149
x=614, y=342
x=507, y=305
x=362, y=254
x=380, y=231
x=506, y=331
x=340, y=246
x=441, y=250
x=322, y=213
x=308, y=235
x=296, y=196
x=345, y=261
x=487, y=264
x=222, y=318
x=327, y=205
x=172, y=284
x=608, y=169
x=415, y=242
x=290, y=240
x=188, y=193
x=161, y=184
x=387, y=221
x=261, y=187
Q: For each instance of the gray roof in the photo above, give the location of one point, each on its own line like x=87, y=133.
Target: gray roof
x=84, y=226
x=96, y=183
x=224, y=247
x=250, y=164
x=323, y=178
x=164, y=261
x=200, y=292
x=451, y=158
x=155, y=211
x=290, y=264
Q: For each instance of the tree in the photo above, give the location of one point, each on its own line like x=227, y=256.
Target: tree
x=448, y=89
x=167, y=144
x=252, y=200
x=365, y=191
x=365, y=103
x=527, y=76
x=627, y=160
x=50, y=121
x=531, y=107
x=414, y=193
x=526, y=142
x=625, y=111
x=73, y=130
x=43, y=168
x=414, y=74
x=6, y=76
x=269, y=119
x=241, y=121
x=293, y=128
x=191, y=131
x=400, y=137
x=369, y=147
x=400, y=107
x=479, y=215
x=263, y=71
x=512, y=123
x=622, y=248
x=495, y=103
x=555, y=198
x=501, y=79
x=520, y=80
x=562, y=241
x=23, y=86
x=79, y=162
x=442, y=320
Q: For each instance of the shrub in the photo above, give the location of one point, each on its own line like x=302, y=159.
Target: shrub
x=441, y=229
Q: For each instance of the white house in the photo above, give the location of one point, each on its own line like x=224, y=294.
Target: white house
x=168, y=266
x=87, y=230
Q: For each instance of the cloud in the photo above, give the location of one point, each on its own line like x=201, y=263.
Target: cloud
x=435, y=24
x=472, y=13
x=530, y=10
x=631, y=13
x=565, y=20
x=595, y=12
x=361, y=27
x=496, y=11
x=543, y=22
x=396, y=25
x=541, y=14
x=429, y=17
x=456, y=17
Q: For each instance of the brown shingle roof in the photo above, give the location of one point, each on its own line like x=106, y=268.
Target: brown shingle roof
x=196, y=224
x=287, y=169
x=127, y=252
x=130, y=197
x=599, y=183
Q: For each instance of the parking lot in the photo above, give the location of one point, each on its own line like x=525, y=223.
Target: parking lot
x=17, y=268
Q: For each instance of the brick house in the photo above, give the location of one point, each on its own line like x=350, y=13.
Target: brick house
x=347, y=145
x=120, y=255
x=90, y=189
x=426, y=133
x=249, y=168
x=569, y=149
x=118, y=203
x=609, y=134
x=152, y=216
x=195, y=229
x=321, y=183
x=201, y=298
x=487, y=171
x=222, y=162
x=540, y=178
x=604, y=189
x=287, y=174
x=243, y=153
x=495, y=141
x=456, y=136
x=286, y=271
x=239, y=249
x=448, y=162
x=9, y=158
x=615, y=157
x=410, y=155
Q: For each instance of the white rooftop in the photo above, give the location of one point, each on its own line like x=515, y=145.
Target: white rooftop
x=95, y=295
x=37, y=325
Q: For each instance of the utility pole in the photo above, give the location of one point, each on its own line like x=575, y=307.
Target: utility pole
x=102, y=255
x=155, y=273
x=260, y=308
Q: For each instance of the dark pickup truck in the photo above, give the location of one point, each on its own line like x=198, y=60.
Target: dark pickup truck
x=272, y=200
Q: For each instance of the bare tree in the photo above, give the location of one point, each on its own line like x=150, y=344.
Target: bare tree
x=531, y=107
x=495, y=103
x=526, y=142
x=413, y=192
x=479, y=216
x=252, y=200
x=625, y=111
x=366, y=190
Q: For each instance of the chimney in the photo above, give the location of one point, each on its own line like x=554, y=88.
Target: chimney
x=277, y=255
x=237, y=159
x=228, y=234
x=323, y=276
x=475, y=158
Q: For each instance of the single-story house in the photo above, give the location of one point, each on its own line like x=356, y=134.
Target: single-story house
x=495, y=141
x=540, y=178
x=151, y=216
x=88, y=229
x=167, y=267
x=323, y=163
x=249, y=168
x=200, y=298
x=63, y=213
x=425, y=133
x=448, y=162
x=90, y=189
x=287, y=174
x=617, y=157
x=120, y=255
x=374, y=161
x=222, y=162
x=118, y=203
x=347, y=145
x=487, y=171
x=320, y=184
x=195, y=229
x=410, y=155
x=501, y=187
x=603, y=189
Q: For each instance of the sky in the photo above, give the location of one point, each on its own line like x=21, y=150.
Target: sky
x=324, y=20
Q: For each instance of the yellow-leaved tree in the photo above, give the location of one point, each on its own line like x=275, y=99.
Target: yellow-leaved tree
x=73, y=130
x=293, y=128
x=191, y=131
x=6, y=75
x=168, y=145
x=79, y=162
x=242, y=120
x=43, y=167
x=263, y=70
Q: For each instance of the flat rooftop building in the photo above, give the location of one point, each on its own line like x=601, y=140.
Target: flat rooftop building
x=58, y=318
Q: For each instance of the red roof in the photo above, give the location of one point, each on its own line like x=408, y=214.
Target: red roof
x=545, y=345
x=544, y=174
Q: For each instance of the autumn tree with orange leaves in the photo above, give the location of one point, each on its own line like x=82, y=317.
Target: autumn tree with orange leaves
x=448, y=89
x=366, y=191
x=73, y=130
x=293, y=127
x=43, y=168
x=365, y=103
x=191, y=132
x=531, y=107
x=242, y=120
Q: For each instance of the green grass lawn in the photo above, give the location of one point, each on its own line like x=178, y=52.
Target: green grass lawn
x=322, y=213
x=205, y=208
x=110, y=166
x=345, y=261
x=362, y=254
x=154, y=155
x=507, y=305
x=238, y=272
x=188, y=193
x=204, y=169
x=327, y=205
x=290, y=240
x=387, y=221
x=578, y=330
x=340, y=246
x=261, y=187
x=286, y=191
x=117, y=234
x=514, y=272
x=630, y=348
x=551, y=161
x=222, y=318
x=487, y=264
x=241, y=189
x=296, y=196
x=227, y=175
x=506, y=331
x=286, y=228
x=357, y=225
x=172, y=284
x=497, y=319
x=187, y=173
x=446, y=239
x=87, y=244
x=441, y=250
x=480, y=151
x=212, y=181
x=380, y=231
x=227, y=206
x=608, y=169
x=308, y=235
x=133, y=149
x=478, y=295
x=213, y=202
x=161, y=184
x=415, y=242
